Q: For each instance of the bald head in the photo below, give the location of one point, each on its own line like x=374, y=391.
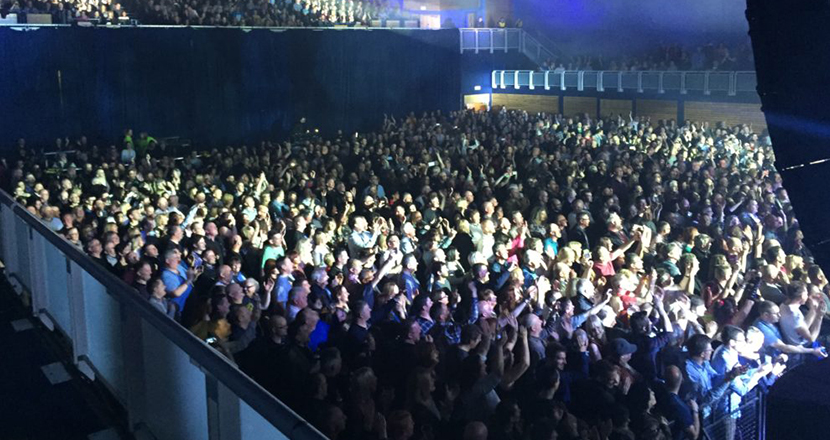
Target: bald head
x=225, y=273
x=475, y=431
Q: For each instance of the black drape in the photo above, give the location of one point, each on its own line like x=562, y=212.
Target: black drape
x=217, y=86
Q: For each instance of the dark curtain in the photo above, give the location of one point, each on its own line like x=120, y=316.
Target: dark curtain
x=217, y=86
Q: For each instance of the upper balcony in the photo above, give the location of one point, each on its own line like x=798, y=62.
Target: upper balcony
x=660, y=82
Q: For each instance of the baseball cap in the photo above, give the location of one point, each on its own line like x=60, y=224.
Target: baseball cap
x=622, y=347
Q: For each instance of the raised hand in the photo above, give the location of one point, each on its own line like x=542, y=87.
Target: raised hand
x=268, y=285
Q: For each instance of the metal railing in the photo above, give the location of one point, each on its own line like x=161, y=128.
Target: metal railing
x=504, y=40
x=490, y=40
x=746, y=423
x=408, y=25
x=730, y=83
x=171, y=384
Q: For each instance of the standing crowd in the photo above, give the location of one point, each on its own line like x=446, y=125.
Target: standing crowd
x=472, y=275
x=270, y=13
x=673, y=57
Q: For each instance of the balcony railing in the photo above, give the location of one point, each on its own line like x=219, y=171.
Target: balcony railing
x=171, y=384
x=490, y=40
x=730, y=83
x=504, y=40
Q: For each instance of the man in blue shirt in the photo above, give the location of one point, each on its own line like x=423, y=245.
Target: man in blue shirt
x=178, y=280
x=704, y=384
x=285, y=281
x=725, y=359
x=768, y=316
x=411, y=284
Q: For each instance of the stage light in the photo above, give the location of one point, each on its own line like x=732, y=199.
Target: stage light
x=477, y=88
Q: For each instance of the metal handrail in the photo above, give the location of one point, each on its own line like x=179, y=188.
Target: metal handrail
x=270, y=408
x=646, y=80
x=179, y=26
x=752, y=410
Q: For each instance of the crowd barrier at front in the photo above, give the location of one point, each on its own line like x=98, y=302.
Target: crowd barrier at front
x=171, y=384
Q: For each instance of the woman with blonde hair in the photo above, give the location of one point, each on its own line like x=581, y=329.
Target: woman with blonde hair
x=566, y=256
x=321, y=248
x=304, y=250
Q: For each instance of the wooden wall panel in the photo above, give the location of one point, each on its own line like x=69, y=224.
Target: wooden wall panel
x=529, y=103
x=578, y=105
x=614, y=107
x=478, y=98
x=657, y=109
x=729, y=113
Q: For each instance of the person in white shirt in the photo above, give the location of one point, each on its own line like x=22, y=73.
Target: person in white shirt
x=796, y=328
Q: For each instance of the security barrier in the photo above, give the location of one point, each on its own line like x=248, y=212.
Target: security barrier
x=745, y=423
x=171, y=384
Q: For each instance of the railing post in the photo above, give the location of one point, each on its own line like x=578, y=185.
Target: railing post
x=77, y=315
x=547, y=79
x=506, y=40
x=619, y=81
x=522, y=41
x=762, y=419
x=492, y=35
x=600, y=85
x=461, y=41
x=562, y=81
x=640, y=82
x=493, y=82
x=516, y=80
x=530, y=80
x=134, y=372
x=580, y=80
x=682, y=83
x=706, y=90
x=9, y=240
x=223, y=411
x=733, y=83
x=502, y=80
x=477, y=33
x=660, y=83
x=37, y=258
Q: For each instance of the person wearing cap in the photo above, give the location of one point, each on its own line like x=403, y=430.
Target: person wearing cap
x=619, y=354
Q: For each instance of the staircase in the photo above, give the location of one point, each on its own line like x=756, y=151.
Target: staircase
x=505, y=40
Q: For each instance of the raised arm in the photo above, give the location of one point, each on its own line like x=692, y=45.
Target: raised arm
x=522, y=360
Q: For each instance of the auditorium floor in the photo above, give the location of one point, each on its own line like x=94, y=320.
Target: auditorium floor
x=41, y=397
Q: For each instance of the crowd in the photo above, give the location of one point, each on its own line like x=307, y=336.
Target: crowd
x=67, y=11
x=709, y=57
x=272, y=13
x=473, y=275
